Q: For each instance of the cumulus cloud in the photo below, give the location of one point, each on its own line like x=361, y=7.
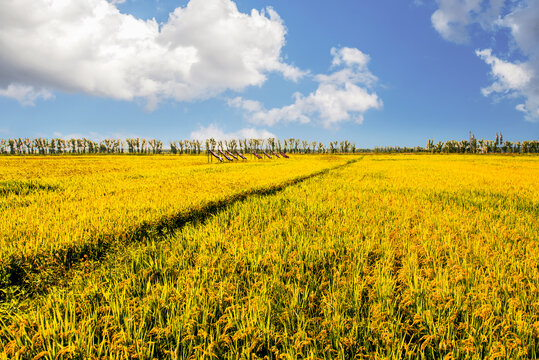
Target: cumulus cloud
x=509, y=76
x=214, y=131
x=340, y=96
x=523, y=22
x=519, y=79
x=88, y=46
x=453, y=18
x=26, y=95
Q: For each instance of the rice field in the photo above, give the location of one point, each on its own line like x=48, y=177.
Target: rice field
x=59, y=209
x=315, y=257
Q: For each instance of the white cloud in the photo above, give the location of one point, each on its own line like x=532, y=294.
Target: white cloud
x=523, y=22
x=338, y=97
x=247, y=105
x=350, y=56
x=88, y=46
x=453, y=17
x=453, y=20
x=25, y=94
x=515, y=80
x=518, y=79
x=509, y=76
x=214, y=131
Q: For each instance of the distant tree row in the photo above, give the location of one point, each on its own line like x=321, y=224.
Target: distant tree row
x=470, y=146
x=42, y=146
x=475, y=146
x=287, y=145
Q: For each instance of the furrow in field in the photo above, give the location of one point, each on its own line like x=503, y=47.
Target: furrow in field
x=37, y=269
x=359, y=262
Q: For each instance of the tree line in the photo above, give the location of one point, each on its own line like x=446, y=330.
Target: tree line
x=248, y=145
x=44, y=146
x=481, y=146
x=469, y=146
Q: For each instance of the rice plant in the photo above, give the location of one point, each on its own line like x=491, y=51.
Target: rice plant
x=387, y=257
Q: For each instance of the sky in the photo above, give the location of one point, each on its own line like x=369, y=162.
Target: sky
x=375, y=72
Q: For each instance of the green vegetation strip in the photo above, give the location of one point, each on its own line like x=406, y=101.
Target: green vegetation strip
x=21, y=188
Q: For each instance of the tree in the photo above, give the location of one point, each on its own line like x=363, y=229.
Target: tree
x=473, y=143
x=464, y=145
x=481, y=147
x=3, y=146
x=152, y=144
x=213, y=144
x=252, y=144
x=18, y=145
x=144, y=145
x=304, y=145
x=12, y=146
x=243, y=144
x=232, y=145
x=93, y=147
x=430, y=145
x=130, y=145
x=53, y=148
x=156, y=145
x=28, y=145
x=345, y=145
x=271, y=143
x=518, y=147
x=296, y=145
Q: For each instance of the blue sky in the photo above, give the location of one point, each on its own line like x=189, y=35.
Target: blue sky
x=376, y=72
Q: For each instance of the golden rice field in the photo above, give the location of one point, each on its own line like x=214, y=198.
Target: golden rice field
x=57, y=209
x=379, y=257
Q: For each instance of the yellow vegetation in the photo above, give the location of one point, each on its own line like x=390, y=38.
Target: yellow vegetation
x=393, y=256
x=51, y=204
